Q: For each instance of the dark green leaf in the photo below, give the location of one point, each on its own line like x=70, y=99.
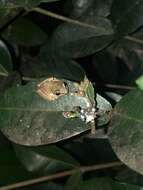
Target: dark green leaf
x=126, y=130
x=123, y=46
x=49, y=64
x=105, y=66
x=22, y=3
x=46, y=186
x=11, y=169
x=106, y=184
x=129, y=63
x=87, y=7
x=129, y=176
x=73, y=181
x=80, y=7
x=6, y=82
x=26, y=118
x=7, y=14
x=45, y=160
x=126, y=16
x=5, y=60
x=59, y=66
x=91, y=150
x=24, y=32
x=84, y=41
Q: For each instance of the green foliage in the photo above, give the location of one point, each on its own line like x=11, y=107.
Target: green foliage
x=22, y=3
x=106, y=184
x=139, y=82
x=44, y=160
x=38, y=122
x=126, y=16
x=74, y=181
x=11, y=169
x=5, y=60
x=64, y=93
x=84, y=41
x=126, y=130
x=25, y=33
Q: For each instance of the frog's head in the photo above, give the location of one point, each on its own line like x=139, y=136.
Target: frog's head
x=51, y=88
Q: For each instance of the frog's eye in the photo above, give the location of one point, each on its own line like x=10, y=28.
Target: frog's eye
x=57, y=92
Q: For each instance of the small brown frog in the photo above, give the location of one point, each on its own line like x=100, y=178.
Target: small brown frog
x=51, y=88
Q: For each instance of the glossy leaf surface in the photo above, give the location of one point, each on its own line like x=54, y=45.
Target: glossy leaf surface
x=126, y=130
x=5, y=60
x=126, y=16
x=29, y=119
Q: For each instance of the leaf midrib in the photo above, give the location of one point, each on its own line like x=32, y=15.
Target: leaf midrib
x=28, y=109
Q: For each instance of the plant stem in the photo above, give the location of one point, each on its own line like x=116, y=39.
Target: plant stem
x=67, y=19
x=139, y=41
x=124, y=87
x=79, y=23
x=60, y=175
x=93, y=127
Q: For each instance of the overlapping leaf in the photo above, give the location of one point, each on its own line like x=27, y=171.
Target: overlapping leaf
x=126, y=130
x=98, y=183
x=54, y=65
x=24, y=32
x=5, y=60
x=74, y=181
x=22, y=3
x=85, y=39
x=26, y=118
x=106, y=183
x=11, y=169
x=87, y=7
x=126, y=16
x=91, y=150
x=7, y=14
x=45, y=160
x=36, y=121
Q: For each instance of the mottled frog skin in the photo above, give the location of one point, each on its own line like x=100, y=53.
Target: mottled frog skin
x=51, y=88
